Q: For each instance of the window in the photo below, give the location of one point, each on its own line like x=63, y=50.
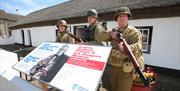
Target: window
x=147, y=37
x=10, y=32
x=69, y=29
x=78, y=30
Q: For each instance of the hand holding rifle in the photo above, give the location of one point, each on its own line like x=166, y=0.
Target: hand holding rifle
x=123, y=46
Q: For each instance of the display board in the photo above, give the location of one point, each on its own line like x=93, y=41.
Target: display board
x=67, y=67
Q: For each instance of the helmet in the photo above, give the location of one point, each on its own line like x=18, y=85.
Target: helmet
x=92, y=12
x=123, y=10
x=62, y=22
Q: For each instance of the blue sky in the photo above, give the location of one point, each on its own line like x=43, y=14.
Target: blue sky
x=26, y=6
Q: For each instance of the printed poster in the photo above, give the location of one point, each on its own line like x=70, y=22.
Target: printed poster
x=68, y=67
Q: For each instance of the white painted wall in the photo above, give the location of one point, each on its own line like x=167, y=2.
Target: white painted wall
x=7, y=41
x=165, y=47
x=165, y=50
x=38, y=35
x=17, y=34
x=41, y=34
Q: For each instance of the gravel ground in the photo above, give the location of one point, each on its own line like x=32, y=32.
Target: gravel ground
x=12, y=47
x=21, y=50
x=167, y=83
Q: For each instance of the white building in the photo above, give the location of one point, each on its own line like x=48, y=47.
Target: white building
x=158, y=20
x=7, y=19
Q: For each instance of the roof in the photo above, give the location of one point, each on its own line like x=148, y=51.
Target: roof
x=78, y=8
x=8, y=16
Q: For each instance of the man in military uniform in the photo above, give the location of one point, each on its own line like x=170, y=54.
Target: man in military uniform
x=63, y=37
x=95, y=33
x=122, y=69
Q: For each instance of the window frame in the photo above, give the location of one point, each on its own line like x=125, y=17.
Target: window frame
x=148, y=43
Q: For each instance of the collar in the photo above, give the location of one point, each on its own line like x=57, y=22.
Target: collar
x=62, y=33
x=124, y=27
x=93, y=25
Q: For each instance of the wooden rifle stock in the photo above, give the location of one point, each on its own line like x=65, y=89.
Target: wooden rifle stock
x=133, y=59
x=75, y=37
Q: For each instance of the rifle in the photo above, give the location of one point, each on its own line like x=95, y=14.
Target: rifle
x=119, y=38
x=47, y=63
x=75, y=37
x=104, y=24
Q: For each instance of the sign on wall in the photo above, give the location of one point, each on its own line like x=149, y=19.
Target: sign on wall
x=67, y=67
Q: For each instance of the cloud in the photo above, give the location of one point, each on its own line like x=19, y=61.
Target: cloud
x=8, y=6
x=26, y=2
x=31, y=3
x=27, y=6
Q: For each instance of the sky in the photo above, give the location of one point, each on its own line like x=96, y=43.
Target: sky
x=24, y=7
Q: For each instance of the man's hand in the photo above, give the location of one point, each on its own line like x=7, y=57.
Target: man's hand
x=121, y=46
x=113, y=34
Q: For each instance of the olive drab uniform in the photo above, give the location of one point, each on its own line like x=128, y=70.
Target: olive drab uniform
x=95, y=34
x=121, y=66
x=64, y=37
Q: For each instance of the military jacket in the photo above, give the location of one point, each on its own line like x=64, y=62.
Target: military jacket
x=96, y=34
x=133, y=38
x=64, y=37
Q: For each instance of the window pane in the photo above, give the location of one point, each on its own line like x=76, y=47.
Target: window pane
x=145, y=39
x=146, y=32
x=144, y=47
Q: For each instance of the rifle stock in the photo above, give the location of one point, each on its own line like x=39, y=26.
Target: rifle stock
x=133, y=59
x=75, y=37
